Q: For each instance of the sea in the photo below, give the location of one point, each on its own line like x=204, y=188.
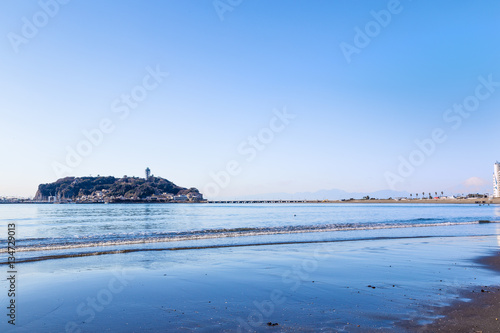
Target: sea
x=240, y=267
x=50, y=231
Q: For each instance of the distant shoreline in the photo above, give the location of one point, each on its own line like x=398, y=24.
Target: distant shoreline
x=474, y=201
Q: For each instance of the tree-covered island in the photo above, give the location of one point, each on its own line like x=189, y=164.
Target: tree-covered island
x=115, y=190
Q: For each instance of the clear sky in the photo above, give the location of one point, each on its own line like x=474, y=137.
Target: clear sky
x=260, y=96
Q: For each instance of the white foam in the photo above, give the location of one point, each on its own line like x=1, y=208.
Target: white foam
x=226, y=233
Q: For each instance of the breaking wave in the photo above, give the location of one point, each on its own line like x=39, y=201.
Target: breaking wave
x=110, y=240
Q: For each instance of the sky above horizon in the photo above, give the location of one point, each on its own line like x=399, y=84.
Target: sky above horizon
x=250, y=97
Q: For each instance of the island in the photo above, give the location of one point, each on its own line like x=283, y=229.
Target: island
x=115, y=190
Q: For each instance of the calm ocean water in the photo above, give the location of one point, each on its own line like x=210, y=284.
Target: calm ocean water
x=323, y=257
x=52, y=231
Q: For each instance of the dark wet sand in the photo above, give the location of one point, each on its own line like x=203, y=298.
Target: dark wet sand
x=361, y=286
x=481, y=314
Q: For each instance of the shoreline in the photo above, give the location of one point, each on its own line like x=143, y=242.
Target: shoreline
x=307, y=288
x=474, y=201
x=480, y=314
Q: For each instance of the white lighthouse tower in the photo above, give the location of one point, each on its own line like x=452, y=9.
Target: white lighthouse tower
x=496, y=180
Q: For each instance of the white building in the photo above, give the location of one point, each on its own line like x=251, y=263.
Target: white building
x=496, y=180
x=181, y=198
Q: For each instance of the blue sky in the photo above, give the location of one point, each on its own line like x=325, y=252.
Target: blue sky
x=354, y=117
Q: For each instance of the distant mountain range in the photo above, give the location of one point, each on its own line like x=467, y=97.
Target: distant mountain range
x=333, y=194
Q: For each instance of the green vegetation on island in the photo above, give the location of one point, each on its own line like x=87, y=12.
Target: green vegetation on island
x=111, y=189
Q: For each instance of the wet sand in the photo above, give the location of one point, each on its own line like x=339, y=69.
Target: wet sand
x=363, y=286
x=480, y=314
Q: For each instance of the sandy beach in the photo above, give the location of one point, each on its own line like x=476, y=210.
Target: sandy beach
x=480, y=313
x=381, y=285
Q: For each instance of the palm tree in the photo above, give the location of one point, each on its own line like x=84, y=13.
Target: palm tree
x=417, y=195
x=442, y=193
x=411, y=196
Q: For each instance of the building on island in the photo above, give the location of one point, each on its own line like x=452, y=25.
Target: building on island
x=194, y=196
x=181, y=197
x=148, y=173
x=496, y=180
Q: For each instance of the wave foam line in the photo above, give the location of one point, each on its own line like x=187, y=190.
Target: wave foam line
x=227, y=233
x=183, y=248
